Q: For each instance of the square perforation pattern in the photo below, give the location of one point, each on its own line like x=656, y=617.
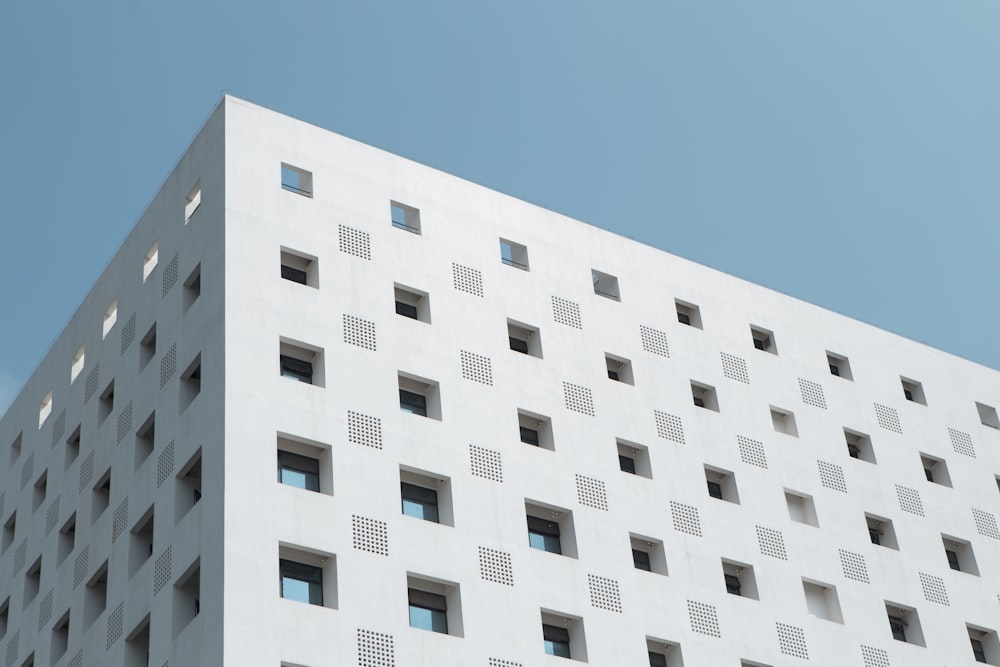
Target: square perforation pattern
x=771, y=542
x=120, y=521
x=77, y=660
x=853, y=566
x=44, y=610
x=165, y=464
x=591, y=492
x=874, y=657
x=168, y=365
x=654, y=341
x=370, y=535
x=124, y=423
x=888, y=418
x=735, y=368
x=51, y=516
x=792, y=641
x=703, y=618
x=12, y=648
x=986, y=524
x=497, y=662
x=685, y=518
x=162, y=570
x=80, y=566
x=90, y=388
x=961, y=442
x=578, y=399
x=115, y=620
x=669, y=427
x=477, y=368
x=27, y=470
x=934, y=590
x=752, y=451
x=375, y=649
x=128, y=334
x=909, y=500
x=170, y=276
x=812, y=393
x=58, y=428
x=832, y=476
x=364, y=430
x=86, y=472
x=495, y=566
x=486, y=463
x=604, y=593
x=467, y=279
x=359, y=332
x=354, y=242
x=566, y=312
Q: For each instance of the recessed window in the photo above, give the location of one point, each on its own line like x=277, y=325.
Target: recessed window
x=426, y=496
x=550, y=529
x=106, y=402
x=984, y=645
x=296, y=180
x=648, y=554
x=904, y=624
x=633, y=458
x=300, y=362
x=988, y=415
x=192, y=287
x=688, y=313
x=60, y=637
x=722, y=484
x=419, y=396
x=95, y=598
x=188, y=486
x=187, y=596
x=147, y=347
x=859, y=446
x=524, y=338
x=563, y=636
x=150, y=261
x=72, y=447
x=136, y=644
x=299, y=268
x=145, y=437
x=619, y=369
x=881, y=531
x=304, y=464
x=101, y=496
x=839, y=365
x=739, y=579
x=413, y=303
x=556, y=640
x=9, y=530
x=4, y=616
x=45, y=409
x=41, y=489
x=704, y=396
x=77, y=366
x=605, y=285
x=15, y=448
x=32, y=580
x=404, y=217
x=514, y=254
x=935, y=470
x=141, y=541
x=419, y=502
x=913, y=391
x=801, y=508
x=763, y=339
x=190, y=385
x=110, y=317
x=192, y=202
x=822, y=601
x=663, y=653
x=784, y=421
x=535, y=429
x=307, y=575
x=67, y=538
x=428, y=611
x=959, y=554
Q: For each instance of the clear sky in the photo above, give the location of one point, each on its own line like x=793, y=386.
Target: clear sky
x=846, y=153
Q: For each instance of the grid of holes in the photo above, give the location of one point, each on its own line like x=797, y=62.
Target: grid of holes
x=77, y=660
x=578, y=399
x=477, y=368
x=375, y=649
x=162, y=569
x=703, y=618
x=169, y=276
x=3, y=501
x=497, y=662
x=752, y=451
x=888, y=418
x=669, y=427
x=52, y=515
x=44, y=610
x=364, y=430
x=486, y=463
x=771, y=542
x=495, y=566
x=80, y=566
x=370, y=535
x=986, y=524
x=874, y=657
x=359, y=332
x=120, y=520
x=86, y=472
x=591, y=492
x=165, y=464
x=792, y=641
x=812, y=393
x=934, y=590
x=467, y=279
x=566, y=312
x=168, y=365
x=354, y=242
x=115, y=622
x=124, y=423
x=90, y=386
x=27, y=470
x=20, y=555
x=12, y=648
x=604, y=593
x=832, y=476
x=685, y=518
x=654, y=341
x=961, y=442
x=59, y=428
x=735, y=368
x=853, y=566
x=128, y=334
x=909, y=500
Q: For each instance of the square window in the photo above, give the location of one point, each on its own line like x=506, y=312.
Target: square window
x=145, y=437
x=524, y=338
x=619, y=369
x=45, y=409
x=304, y=464
x=550, y=529
x=881, y=531
x=605, y=285
x=913, y=391
x=419, y=396
x=110, y=317
x=190, y=384
x=633, y=458
x=404, y=217
x=784, y=421
x=72, y=447
x=60, y=637
x=514, y=254
x=141, y=541
x=688, y=313
x=987, y=415
x=15, y=449
x=192, y=202
x=543, y=534
x=959, y=554
x=187, y=596
x=41, y=489
x=412, y=303
x=434, y=605
x=147, y=347
x=739, y=579
x=904, y=624
x=67, y=538
x=188, y=486
x=101, y=496
x=299, y=267
x=535, y=429
x=563, y=635
x=296, y=180
x=95, y=599
x=640, y=560
x=9, y=531
x=822, y=601
x=301, y=582
x=426, y=495
x=419, y=502
x=648, y=554
x=801, y=508
x=839, y=365
x=859, y=446
x=106, y=402
x=663, y=653
x=722, y=484
x=763, y=339
x=192, y=287
x=984, y=645
x=150, y=261
x=556, y=640
x=704, y=396
x=300, y=362
x=935, y=470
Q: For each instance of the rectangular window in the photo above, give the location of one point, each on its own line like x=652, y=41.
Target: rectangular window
x=296, y=369
x=405, y=217
x=715, y=490
x=978, y=650
x=293, y=274
x=192, y=202
x=898, y=628
x=296, y=180
x=412, y=303
x=412, y=402
x=544, y=535
x=556, y=640
x=626, y=463
x=529, y=436
x=301, y=472
x=419, y=502
x=733, y=584
x=605, y=285
x=657, y=659
x=301, y=582
x=514, y=254
x=428, y=611
x=640, y=560
x=688, y=313
x=406, y=310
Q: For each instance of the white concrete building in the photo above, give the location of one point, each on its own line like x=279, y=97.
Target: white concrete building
x=623, y=457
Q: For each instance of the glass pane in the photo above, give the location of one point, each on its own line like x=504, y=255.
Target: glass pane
x=293, y=478
x=293, y=589
x=428, y=619
x=560, y=649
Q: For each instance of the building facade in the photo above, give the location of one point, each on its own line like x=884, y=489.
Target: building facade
x=327, y=407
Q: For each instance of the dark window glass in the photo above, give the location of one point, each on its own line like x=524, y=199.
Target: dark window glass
x=758, y=343
x=301, y=582
x=293, y=274
x=640, y=559
x=898, y=628
x=296, y=369
x=419, y=502
x=298, y=471
x=529, y=436
x=413, y=403
x=657, y=660
x=952, y=560
x=428, y=611
x=683, y=318
x=699, y=401
x=406, y=310
x=613, y=375
x=518, y=345
x=874, y=535
x=908, y=394
x=715, y=490
x=835, y=370
x=544, y=535
x=733, y=586
x=556, y=640
x=977, y=650
x=928, y=474
x=853, y=451
x=626, y=463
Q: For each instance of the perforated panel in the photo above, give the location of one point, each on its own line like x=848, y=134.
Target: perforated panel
x=165, y=464
x=566, y=312
x=90, y=386
x=771, y=542
x=44, y=610
x=120, y=521
x=13, y=647
x=669, y=427
x=115, y=620
x=752, y=451
x=604, y=593
x=486, y=463
x=578, y=399
x=909, y=500
x=853, y=566
x=359, y=332
x=685, y=518
x=58, y=428
x=355, y=242
x=874, y=657
x=466, y=279
x=477, y=368
x=162, y=569
x=124, y=423
x=128, y=334
x=704, y=619
x=812, y=393
x=364, y=430
x=27, y=470
x=169, y=276
x=591, y=492
x=934, y=590
x=80, y=566
x=52, y=515
x=986, y=524
x=497, y=662
x=168, y=365
x=370, y=535
x=832, y=476
x=888, y=418
x=735, y=368
x=77, y=660
x=792, y=641
x=86, y=471
x=375, y=649
x=961, y=442
x=495, y=566
x=654, y=341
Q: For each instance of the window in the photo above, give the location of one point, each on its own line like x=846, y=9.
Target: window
x=15, y=448
x=984, y=644
x=722, y=484
x=147, y=347
x=733, y=586
x=412, y=303
x=192, y=202
x=419, y=502
x=904, y=624
x=550, y=529
x=110, y=317
x=4, y=616
x=633, y=458
x=935, y=470
x=72, y=447
x=784, y=421
x=150, y=261
x=45, y=409
x=959, y=555
x=419, y=396
x=556, y=640
x=141, y=541
x=32, y=580
x=425, y=495
x=619, y=369
x=67, y=538
x=434, y=605
x=524, y=338
x=688, y=313
x=9, y=530
x=543, y=534
x=106, y=402
x=296, y=180
x=657, y=659
x=301, y=582
x=304, y=464
x=859, y=446
x=563, y=636
x=663, y=653
x=190, y=384
x=60, y=637
x=801, y=508
x=188, y=486
x=881, y=531
x=839, y=365
x=301, y=472
x=145, y=439
x=822, y=601
x=137, y=645
x=988, y=415
x=95, y=598
x=978, y=652
x=704, y=396
x=535, y=429
x=514, y=254
x=299, y=268
x=913, y=391
x=300, y=362
x=739, y=579
x=640, y=560
x=648, y=554
x=101, y=496
x=763, y=339
x=77, y=367
x=404, y=217
x=41, y=487
x=605, y=285
x=192, y=287
x=952, y=560
x=187, y=596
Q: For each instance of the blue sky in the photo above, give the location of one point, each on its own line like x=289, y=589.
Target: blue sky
x=846, y=153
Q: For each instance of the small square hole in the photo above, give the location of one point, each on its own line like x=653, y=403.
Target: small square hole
x=524, y=338
x=859, y=446
x=935, y=470
x=192, y=202
x=913, y=391
x=619, y=369
x=633, y=458
x=419, y=396
x=704, y=396
x=881, y=531
x=763, y=339
x=801, y=508
x=987, y=415
x=535, y=429
x=784, y=421
x=412, y=303
x=110, y=317
x=605, y=285
x=299, y=268
x=296, y=180
x=150, y=261
x=648, y=554
x=839, y=365
x=514, y=254
x=688, y=313
x=405, y=217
